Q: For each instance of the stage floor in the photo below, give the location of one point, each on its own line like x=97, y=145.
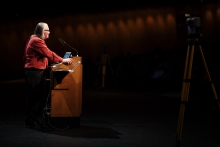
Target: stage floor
x=114, y=118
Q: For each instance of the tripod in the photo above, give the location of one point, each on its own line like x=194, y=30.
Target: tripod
x=102, y=68
x=186, y=83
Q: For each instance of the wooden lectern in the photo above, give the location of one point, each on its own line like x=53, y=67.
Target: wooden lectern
x=66, y=89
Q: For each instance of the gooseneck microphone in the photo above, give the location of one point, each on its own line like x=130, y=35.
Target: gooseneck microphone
x=65, y=44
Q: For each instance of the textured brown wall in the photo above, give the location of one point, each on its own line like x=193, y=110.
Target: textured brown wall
x=136, y=31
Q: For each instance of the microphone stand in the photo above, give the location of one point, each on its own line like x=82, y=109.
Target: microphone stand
x=64, y=44
x=67, y=45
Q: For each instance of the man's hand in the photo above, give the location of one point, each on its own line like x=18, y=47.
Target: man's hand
x=68, y=60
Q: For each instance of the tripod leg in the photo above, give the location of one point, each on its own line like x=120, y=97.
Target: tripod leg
x=100, y=67
x=185, y=91
x=207, y=71
x=103, y=70
x=109, y=63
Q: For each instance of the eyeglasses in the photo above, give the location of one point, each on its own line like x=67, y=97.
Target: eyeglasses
x=47, y=30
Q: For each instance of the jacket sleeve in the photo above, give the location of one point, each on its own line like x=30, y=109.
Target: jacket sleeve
x=42, y=48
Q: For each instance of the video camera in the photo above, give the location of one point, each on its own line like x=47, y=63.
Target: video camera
x=193, y=26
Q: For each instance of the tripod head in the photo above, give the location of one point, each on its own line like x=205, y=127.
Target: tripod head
x=193, y=26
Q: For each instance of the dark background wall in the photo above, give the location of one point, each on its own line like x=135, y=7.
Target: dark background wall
x=134, y=31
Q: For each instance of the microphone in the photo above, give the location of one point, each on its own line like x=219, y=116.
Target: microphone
x=64, y=43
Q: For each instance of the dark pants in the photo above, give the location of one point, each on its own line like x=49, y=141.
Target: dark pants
x=35, y=95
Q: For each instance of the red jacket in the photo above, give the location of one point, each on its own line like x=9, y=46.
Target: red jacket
x=37, y=54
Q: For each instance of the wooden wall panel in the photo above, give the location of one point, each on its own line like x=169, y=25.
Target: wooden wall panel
x=128, y=31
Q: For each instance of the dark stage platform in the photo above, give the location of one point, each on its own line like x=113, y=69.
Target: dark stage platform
x=114, y=118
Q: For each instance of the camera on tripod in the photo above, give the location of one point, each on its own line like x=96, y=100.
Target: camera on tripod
x=193, y=26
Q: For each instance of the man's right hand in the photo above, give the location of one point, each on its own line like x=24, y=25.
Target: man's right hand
x=68, y=60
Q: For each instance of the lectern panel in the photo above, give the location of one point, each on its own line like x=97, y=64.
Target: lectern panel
x=66, y=91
